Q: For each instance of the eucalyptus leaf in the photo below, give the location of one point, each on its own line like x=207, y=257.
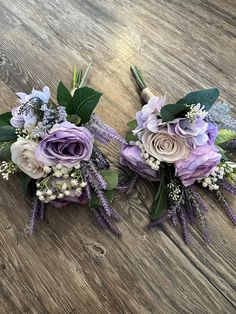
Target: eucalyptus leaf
x=64, y=97
x=7, y=133
x=205, y=97
x=111, y=178
x=171, y=111
x=5, y=151
x=84, y=101
x=224, y=136
x=5, y=118
x=73, y=118
x=132, y=124
x=130, y=136
x=25, y=181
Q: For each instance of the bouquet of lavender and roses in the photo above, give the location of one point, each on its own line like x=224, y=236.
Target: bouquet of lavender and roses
x=183, y=146
x=53, y=145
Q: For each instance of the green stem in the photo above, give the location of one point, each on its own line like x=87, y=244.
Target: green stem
x=85, y=75
x=138, y=77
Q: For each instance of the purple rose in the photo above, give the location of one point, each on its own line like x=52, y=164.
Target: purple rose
x=198, y=165
x=147, y=117
x=131, y=157
x=69, y=200
x=65, y=144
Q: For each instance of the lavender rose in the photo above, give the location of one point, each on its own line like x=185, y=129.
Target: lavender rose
x=67, y=200
x=165, y=147
x=65, y=144
x=23, y=155
x=198, y=165
x=131, y=157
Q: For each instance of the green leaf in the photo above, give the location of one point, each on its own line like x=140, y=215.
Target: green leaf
x=73, y=118
x=169, y=112
x=7, y=133
x=5, y=118
x=132, y=124
x=25, y=181
x=64, y=97
x=159, y=204
x=224, y=135
x=5, y=151
x=95, y=202
x=84, y=101
x=111, y=178
x=205, y=97
x=131, y=137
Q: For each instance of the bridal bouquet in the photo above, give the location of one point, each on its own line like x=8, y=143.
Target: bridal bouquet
x=183, y=146
x=53, y=145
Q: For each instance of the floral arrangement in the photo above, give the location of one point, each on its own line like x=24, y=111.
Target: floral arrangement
x=182, y=147
x=53, y=145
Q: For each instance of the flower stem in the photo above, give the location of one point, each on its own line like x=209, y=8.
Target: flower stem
x=138, y=77
x=85, y=75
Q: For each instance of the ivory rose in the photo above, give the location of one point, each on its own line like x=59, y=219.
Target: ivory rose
x=165, y=147
x=23, y=155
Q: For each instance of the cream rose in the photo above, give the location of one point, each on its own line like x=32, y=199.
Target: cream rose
x=23, y=155
x=165, y=147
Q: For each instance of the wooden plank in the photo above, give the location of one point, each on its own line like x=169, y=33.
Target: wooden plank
x=71, y=265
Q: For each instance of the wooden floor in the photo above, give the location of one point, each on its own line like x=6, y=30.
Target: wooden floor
x=71, y=265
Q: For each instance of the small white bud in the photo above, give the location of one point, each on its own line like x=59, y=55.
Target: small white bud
x=83, y=184
x=49, y=192
x=60, y=195
x=41, y=198
x=39, y=193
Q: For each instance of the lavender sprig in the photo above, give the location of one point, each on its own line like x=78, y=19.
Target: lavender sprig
x=104, y=222
x=37, y=212
x=93, y=173
x=184, y=225
x=228, y=186
x=226, y=206
x=100, y=158
x=102, y=132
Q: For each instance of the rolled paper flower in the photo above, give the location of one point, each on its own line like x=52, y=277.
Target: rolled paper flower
x=198, y=165
x=131, y=157
x=23, y=155
x=165, y=147
x=65, y=144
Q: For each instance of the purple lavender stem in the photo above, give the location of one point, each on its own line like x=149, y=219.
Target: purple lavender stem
x=157, y=222
x=226, y=206
x=105, y=204
x=42, y=211
x=92, y=172
x=101, y=159
x=104, y=221
x=228, y=186
x=184, y=226
x=174, y=219
x=34, y=214
x=199, y=200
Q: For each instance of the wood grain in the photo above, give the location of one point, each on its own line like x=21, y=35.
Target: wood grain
x=71, y=265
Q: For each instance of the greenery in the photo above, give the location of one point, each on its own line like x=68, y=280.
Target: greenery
x=205, y=97
x=111, y=178
x=7, y=133
x=5, y=118
x=224, y=136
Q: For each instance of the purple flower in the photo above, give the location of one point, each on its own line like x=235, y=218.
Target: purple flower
x=17, y=120
x=69, y=200
x=198, y=165
x=212, y=132
x=65, y=144
x=44, y=95
x=147, y=117
x=195, y=132
x=131, y=157
x=28, y=119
